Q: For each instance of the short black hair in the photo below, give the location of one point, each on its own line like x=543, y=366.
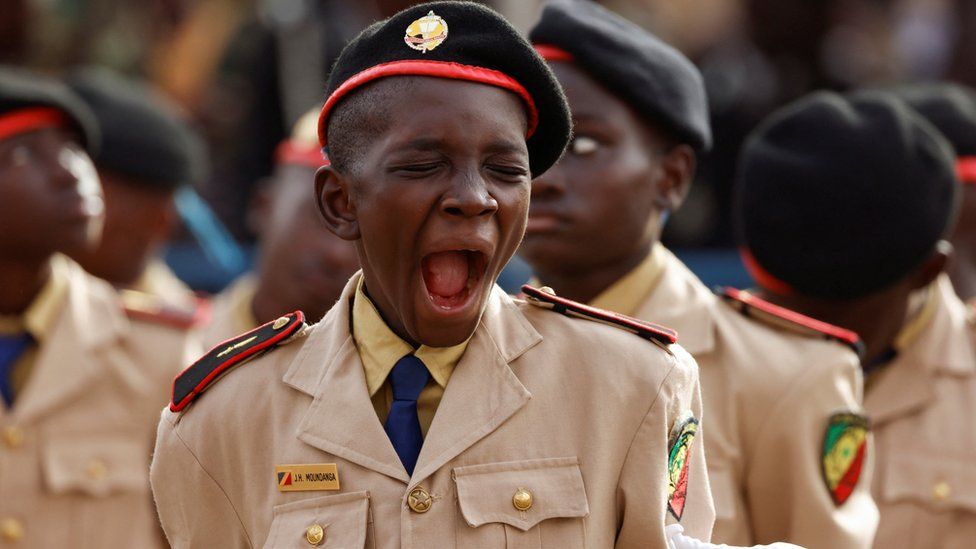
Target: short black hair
x=358, y=119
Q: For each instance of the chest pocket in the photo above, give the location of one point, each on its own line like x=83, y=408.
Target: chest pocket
x=97, y=466
x=528, y=504
x=327, y=522
x=936, y=482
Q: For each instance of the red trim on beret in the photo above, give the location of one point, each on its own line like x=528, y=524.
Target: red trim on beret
x=437, y=69
x=762, y=276
x=293, y=152
x=966, y=168
x=26, y=120
x=553, y=53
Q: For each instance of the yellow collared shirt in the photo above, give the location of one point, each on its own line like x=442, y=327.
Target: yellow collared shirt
x=380, y=349
x=38, y=320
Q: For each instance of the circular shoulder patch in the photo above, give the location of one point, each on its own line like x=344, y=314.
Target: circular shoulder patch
x=679, y=444
x=844, y=448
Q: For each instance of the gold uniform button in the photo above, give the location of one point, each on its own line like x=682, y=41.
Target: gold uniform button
x=11, y=529
x=419, y=500
x=522, y=500
x=941, y=491
x=13, y=436
x=314, y=534
x=280, y=323
x=97, y=469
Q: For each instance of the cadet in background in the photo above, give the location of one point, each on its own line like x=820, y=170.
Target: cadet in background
x=844, y=206
x=951, y=108
x=775, y=385
x=147, y=153
x=83, y=373
x=301, y=265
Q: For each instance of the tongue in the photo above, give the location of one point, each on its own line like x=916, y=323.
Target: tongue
x=446, y=273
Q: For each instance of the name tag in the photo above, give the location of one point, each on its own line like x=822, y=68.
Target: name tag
x=303, y=478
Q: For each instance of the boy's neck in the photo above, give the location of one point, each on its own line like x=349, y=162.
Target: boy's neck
x=20, y=282
x=585, y=285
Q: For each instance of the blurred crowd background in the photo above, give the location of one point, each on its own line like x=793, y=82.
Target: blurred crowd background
x=245, y=70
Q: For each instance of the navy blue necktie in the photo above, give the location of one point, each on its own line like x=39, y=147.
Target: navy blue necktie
x=407, y=379
x=11, y=347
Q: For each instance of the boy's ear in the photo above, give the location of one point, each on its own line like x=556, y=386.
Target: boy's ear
x=934, y=265
x=677, y=172
x=335, y=203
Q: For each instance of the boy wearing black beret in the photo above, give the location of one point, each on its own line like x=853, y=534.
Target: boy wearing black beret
x=82, y=375
x=773, y=382
x=147, y=153
x=427, y=408
x=951, y=108
x=843, y=207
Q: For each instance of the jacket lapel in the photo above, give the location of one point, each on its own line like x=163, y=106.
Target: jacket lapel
x=341, y=419
x=908, y=383
x=484, y=391
x=79, y=348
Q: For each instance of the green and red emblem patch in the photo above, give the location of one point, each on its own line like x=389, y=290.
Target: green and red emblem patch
x=844, y=449
x=682, y=435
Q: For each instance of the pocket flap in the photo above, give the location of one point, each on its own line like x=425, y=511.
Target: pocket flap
x=327, y=522
x=96, y=466
x=553, y=487
x=938, y=481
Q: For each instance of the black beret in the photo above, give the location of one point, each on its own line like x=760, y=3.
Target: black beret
x=457, y=40
x=654, y=78
x=20, y=90
x=839, y=197
x=949, y=107
x=144, y=136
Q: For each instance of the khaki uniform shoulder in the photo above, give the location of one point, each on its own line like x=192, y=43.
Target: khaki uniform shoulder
x=577, y=328
x=786, y=320
x=546, y=298
x=220, y=360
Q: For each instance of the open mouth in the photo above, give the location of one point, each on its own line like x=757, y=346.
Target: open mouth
x=451, y=277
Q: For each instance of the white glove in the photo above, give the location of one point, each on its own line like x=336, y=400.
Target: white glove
x=677, y=540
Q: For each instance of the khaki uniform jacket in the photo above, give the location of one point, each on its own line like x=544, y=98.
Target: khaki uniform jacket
x=769, y=394
x=76, y=446
x=923, y=413
x=576, y=412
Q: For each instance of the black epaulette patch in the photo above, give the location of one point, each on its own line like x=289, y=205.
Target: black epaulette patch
x=150, y=308
x=195, y=379
x=568, y=307
x=769, y=313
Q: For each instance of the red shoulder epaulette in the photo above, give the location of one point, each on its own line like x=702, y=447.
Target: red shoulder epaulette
x=568, y=307
x=151, y=308
x=762, y=310
x=195, y=379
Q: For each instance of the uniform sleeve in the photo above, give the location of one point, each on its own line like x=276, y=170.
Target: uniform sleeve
x=193, y=508
x=645, y=502
x=785, y=485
